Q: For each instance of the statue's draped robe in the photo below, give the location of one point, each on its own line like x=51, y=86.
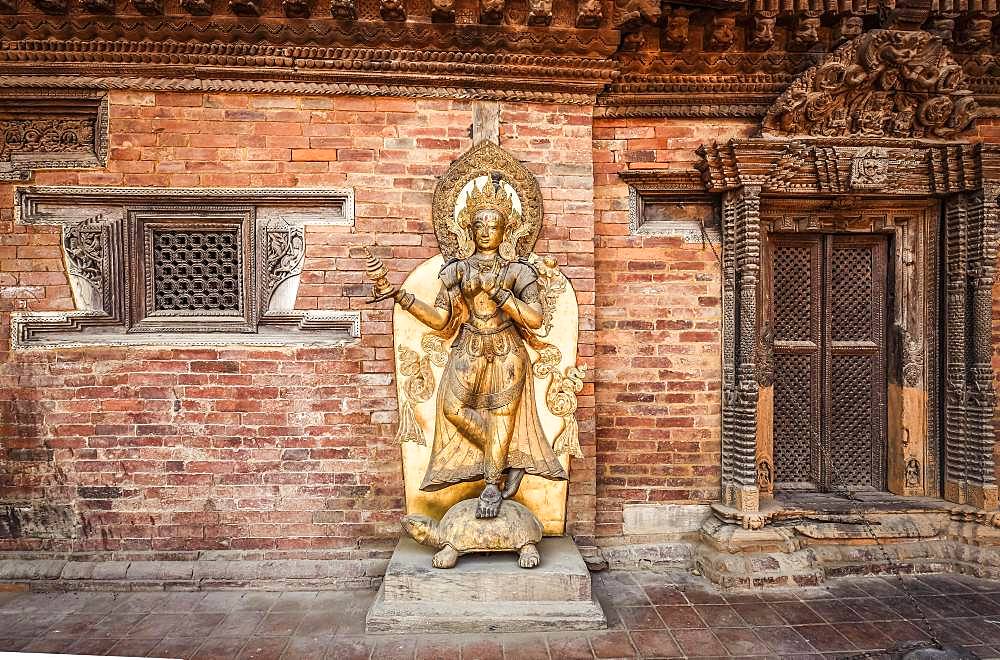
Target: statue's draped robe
x=490, y=371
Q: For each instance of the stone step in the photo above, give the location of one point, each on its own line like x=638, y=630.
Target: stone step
x=486, y=592
x=561, y=576
x=470, y=617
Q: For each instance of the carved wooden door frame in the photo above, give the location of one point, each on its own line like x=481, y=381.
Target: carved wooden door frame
x=911, y=336
x=850, y=173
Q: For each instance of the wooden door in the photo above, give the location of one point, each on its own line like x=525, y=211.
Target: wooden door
x=828, y=293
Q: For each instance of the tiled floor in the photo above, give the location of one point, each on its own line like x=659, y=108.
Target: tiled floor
x=651, y=615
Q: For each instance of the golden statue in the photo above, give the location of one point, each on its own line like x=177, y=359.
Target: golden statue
x=487, y=425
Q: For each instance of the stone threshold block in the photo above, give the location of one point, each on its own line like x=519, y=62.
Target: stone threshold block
x=486, y=592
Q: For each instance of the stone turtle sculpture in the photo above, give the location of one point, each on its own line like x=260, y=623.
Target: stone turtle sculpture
x=514, y=529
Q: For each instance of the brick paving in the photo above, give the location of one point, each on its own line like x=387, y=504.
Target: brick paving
x=650, y=615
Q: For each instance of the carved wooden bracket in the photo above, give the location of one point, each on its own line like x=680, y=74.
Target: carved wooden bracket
x=246, y=248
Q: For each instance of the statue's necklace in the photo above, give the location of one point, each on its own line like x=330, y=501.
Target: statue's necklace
x=491, y=266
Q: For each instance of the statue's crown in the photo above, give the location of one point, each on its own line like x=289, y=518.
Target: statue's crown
x=491, y=196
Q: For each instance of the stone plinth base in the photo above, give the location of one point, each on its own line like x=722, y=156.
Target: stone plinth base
x=486, y=593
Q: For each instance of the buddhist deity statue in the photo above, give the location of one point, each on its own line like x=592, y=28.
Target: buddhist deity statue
x=487, y=424
x=492, y=328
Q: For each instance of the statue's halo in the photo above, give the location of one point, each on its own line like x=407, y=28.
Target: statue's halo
x=480, y=163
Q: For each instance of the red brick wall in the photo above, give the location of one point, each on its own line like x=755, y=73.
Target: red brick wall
x=659, y=364
x=280, y=450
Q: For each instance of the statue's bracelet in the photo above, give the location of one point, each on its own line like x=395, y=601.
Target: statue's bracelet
x=500, y=296
x=406, y=300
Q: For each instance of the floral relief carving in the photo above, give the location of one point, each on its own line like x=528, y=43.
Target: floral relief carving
x=886, y=83
x=33, y=136
x=286, y=249
x=419, y=387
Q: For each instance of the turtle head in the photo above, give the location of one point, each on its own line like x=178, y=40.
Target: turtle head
x=422, y=529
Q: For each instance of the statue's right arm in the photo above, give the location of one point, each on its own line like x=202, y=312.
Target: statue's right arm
x=436, y=316
x=431, y=316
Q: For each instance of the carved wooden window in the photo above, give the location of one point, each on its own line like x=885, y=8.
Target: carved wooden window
x=671, y=203
x=193, y=273
x=668, y=214
x=183, y=266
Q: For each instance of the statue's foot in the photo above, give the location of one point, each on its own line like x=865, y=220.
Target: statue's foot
x=514, y=476
x=489, y=502
x=446, y=557
x=529, y=557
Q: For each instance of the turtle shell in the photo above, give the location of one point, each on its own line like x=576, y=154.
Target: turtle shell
x=513, y=527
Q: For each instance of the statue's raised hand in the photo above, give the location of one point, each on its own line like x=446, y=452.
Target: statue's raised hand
x=489, y=283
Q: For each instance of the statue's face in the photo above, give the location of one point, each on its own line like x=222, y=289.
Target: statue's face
x=487, y=230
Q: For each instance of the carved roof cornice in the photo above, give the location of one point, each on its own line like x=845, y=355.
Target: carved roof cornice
x=831, y=166
x=638, y=58
x=572, y=69
x=320, y=38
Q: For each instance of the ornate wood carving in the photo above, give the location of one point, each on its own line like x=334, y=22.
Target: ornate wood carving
x=887, y=83
x=741, y=230
x=589, y=14
x=191, y=269
x=443, y=11
x=392, y=10
x=723, y=33
x=965, y=176
x=761, y=35
x=703, y=58
x=285, y=252
x=806, y=33
x=126, y=285
x=48, y=129
x=148, y=7
x=539, y=13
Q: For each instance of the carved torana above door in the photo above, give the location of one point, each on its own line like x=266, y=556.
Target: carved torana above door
x=885, y=83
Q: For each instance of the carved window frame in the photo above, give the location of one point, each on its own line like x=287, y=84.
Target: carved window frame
x=681, y=187
x=106, y=264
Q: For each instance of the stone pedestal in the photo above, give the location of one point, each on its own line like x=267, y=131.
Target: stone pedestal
x=486, y=592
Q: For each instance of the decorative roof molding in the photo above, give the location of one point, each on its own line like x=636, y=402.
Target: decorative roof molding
x=584, y=96
x=885, y=83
